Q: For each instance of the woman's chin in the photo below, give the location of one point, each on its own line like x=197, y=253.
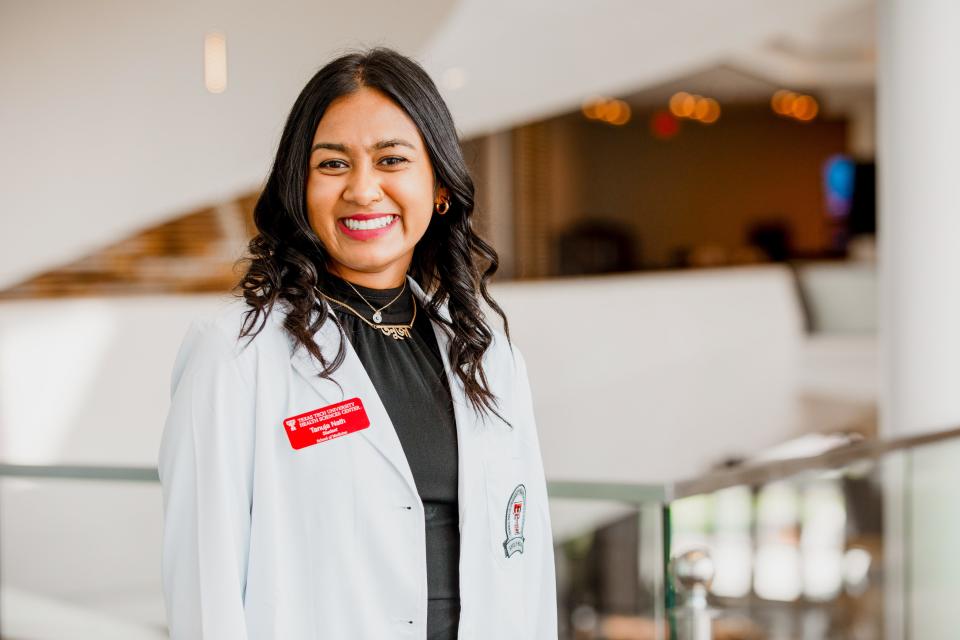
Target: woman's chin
x=371, y=262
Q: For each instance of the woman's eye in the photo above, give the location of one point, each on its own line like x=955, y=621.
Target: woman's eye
x=398, y=159
x=329, y=164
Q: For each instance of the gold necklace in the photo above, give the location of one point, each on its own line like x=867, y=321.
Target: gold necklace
x=376, y=312
x=395, y=331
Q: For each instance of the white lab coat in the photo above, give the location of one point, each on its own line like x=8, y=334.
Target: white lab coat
x=263, y=541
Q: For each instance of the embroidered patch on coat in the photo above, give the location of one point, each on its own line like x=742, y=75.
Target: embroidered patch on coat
x=514, y=520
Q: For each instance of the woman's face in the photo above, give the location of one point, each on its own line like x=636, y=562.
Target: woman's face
x=370, y=190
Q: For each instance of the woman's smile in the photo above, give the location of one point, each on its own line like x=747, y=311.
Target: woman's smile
x=367, y=226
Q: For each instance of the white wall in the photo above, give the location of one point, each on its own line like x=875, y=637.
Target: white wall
x=652, y=377
x=86, y=381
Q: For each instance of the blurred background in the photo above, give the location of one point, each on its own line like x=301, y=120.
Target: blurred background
x=760, y=439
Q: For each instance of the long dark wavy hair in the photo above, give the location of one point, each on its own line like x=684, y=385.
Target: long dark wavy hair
x=451, y=263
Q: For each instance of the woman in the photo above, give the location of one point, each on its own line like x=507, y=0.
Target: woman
x=350, y=451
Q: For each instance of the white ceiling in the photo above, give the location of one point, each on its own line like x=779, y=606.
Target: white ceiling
x=107, y=127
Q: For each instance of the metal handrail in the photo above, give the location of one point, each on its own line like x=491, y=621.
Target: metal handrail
x=80, y=472
x=621, y=492
x=758, y=474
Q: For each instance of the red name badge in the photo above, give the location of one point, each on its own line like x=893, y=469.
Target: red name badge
x=326, y=423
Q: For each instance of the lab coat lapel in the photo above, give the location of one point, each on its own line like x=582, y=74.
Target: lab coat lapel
x=468, y=462
x=356, y=383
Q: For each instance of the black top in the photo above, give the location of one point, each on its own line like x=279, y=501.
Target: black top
x=410, y=380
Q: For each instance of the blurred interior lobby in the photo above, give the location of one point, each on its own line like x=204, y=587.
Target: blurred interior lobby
x=756, y=200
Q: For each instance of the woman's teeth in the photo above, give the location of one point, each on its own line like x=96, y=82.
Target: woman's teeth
x=371, y=223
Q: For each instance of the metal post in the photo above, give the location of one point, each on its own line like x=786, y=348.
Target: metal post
x=694, y=572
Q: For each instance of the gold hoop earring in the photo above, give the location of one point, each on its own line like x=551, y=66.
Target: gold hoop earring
x=445, y=204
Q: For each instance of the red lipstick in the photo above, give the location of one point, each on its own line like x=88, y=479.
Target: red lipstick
x=366, y=234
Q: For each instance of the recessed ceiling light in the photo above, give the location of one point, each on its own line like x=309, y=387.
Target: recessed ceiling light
x=215, y=62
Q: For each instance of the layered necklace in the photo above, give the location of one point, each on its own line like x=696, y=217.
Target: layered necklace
x=395, y=331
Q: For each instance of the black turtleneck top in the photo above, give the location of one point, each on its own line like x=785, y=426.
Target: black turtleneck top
x=412, y=384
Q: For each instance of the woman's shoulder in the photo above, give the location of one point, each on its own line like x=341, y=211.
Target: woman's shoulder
x=217, y=331
x=504, y=357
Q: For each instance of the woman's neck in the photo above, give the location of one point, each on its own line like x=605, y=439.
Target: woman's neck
x=386, y=279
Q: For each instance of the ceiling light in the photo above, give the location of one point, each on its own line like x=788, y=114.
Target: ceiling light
x=215, y=62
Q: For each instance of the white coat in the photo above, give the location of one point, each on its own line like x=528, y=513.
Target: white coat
x=327, y=542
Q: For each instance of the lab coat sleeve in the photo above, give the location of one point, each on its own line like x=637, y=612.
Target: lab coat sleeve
x=544, y=601
x=205, y=465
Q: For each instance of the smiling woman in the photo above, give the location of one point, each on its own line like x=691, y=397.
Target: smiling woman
x=348, y=436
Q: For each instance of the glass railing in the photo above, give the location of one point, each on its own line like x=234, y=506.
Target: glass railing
x=854, y=543
x=79, y=553
x=610, y=559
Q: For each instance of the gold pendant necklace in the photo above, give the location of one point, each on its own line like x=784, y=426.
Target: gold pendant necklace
x=376, y=312
x=395, y=331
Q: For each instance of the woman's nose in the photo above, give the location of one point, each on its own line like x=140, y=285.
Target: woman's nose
x=363, y=187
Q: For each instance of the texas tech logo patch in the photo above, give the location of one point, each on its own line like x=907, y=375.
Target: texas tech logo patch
x=514, y=520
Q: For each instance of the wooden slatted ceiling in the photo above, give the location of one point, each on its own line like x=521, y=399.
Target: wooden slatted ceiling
x=194, y=253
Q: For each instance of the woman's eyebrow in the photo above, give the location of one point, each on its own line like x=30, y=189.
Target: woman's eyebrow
x=376, y=146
